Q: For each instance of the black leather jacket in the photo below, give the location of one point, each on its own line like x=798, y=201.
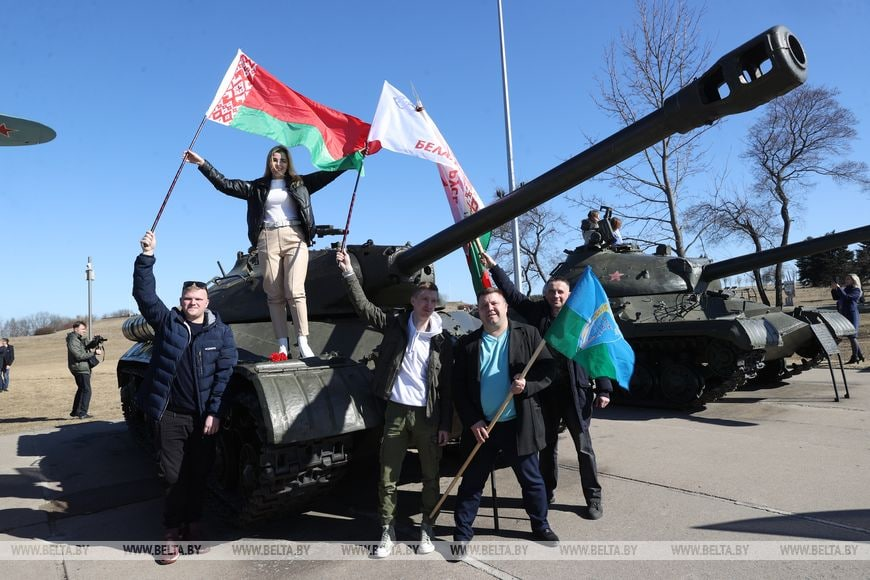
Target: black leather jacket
x=255, y=193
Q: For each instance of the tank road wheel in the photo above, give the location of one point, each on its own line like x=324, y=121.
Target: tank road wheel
x=140, y=427
x=643, y=383
x=772, y=372
x=681, y=384
x=236, y=475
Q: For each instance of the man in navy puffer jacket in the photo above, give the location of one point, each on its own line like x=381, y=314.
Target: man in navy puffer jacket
x=192, y=361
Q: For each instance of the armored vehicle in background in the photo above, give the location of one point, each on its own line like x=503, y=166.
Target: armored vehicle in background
x=294, y=426
x=694, y=341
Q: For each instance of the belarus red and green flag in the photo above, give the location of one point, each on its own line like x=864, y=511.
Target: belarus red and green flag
x=251, y=99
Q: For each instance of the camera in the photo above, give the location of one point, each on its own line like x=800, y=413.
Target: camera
x=97, y=341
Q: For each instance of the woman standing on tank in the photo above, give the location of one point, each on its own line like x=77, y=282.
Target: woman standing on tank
x=281, y=227
x=847, y=299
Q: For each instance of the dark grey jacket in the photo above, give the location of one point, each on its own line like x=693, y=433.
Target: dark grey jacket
x=77, y=354
x=439, y=406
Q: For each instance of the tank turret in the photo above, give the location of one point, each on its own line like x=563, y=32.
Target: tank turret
x=295, y=425
x=693, y=341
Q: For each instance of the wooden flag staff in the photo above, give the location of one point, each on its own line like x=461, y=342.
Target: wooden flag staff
x=489, y=428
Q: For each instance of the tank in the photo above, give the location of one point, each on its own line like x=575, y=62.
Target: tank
x=296, y=427
x=693, y=340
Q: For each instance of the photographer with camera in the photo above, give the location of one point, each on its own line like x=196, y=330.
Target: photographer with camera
x=81, y=357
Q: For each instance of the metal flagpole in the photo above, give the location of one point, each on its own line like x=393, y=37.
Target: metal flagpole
x=350, y=209
x=177, y=173
x=515, y=225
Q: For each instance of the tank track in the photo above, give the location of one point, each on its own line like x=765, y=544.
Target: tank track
x=254, y=482
x=251, y=481
x=686, y=373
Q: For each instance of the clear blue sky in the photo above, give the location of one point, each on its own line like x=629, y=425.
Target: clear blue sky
x=125, y=85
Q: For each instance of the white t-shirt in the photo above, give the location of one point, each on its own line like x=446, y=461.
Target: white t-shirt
x=278, y=206
x=411, y=383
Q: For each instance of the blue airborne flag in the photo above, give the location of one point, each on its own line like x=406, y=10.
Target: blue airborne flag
x=586, y=331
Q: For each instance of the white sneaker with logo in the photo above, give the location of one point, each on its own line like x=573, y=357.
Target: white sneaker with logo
x=426, y=545
x=385, y=548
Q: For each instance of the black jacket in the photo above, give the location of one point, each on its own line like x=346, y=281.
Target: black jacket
x=391, y=351
x=7, y=355
x=255, y=193
x=538, y=314
x=522, y=342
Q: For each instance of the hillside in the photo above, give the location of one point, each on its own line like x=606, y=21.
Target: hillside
x=42, y=389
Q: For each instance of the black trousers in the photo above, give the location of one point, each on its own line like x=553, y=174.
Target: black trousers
x=557, y=406
x=82, y=400
x=185, y=456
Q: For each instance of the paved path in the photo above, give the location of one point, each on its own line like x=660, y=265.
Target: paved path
x=768, y=468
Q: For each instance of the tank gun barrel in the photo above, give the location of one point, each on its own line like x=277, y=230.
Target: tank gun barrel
x=750, y=262
x=769, y=65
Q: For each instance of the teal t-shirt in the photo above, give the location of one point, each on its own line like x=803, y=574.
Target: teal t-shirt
x=495, y=379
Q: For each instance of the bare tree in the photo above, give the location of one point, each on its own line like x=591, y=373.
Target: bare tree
x=658, y=57
x=737, y=216
x=803, y=135
x=541, y=229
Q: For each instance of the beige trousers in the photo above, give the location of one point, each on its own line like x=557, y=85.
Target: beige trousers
x=284, y=257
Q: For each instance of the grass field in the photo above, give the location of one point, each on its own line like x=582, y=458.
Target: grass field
x=42, y=389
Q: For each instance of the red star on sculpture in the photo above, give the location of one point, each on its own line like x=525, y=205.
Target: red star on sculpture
x=4, y=130
x=616, y=276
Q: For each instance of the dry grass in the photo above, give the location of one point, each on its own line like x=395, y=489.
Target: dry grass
x=42, y=389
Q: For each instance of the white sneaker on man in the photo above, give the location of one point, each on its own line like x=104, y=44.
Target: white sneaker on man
x=385, y=548
x=426, y=545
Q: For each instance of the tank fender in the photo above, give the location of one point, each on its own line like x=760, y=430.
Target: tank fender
x=303, y=403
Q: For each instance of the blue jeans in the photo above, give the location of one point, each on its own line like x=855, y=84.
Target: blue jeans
x=502, y=438
x=4, y=379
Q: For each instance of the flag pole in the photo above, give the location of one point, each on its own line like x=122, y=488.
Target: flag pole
x=177, y=173
x=489, y=428
x=350, y=209
x=515, y=227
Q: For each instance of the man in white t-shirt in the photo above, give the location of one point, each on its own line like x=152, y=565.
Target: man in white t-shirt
x=412, y=374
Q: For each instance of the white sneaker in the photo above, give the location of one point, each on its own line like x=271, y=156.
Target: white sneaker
x=385, y=548
x=426, y=545
x=304, y=350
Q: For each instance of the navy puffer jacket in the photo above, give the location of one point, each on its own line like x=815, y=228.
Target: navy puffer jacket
x=215, y=349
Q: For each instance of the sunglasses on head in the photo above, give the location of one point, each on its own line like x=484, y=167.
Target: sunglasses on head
x=197, y=283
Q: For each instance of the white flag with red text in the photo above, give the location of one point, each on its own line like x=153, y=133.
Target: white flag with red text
x=401, y=126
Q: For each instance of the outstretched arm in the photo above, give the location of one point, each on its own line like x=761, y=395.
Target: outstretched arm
x=361, y=305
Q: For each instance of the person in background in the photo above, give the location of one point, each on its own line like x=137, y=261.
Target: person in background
x=570, y=397
x=281, y=226
x=847, y=298
x=488, y=364
x=79, y=353
x=589, y=225
x=413, y=375
x=182, y=391
x=615, y=225
x=7, y=357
